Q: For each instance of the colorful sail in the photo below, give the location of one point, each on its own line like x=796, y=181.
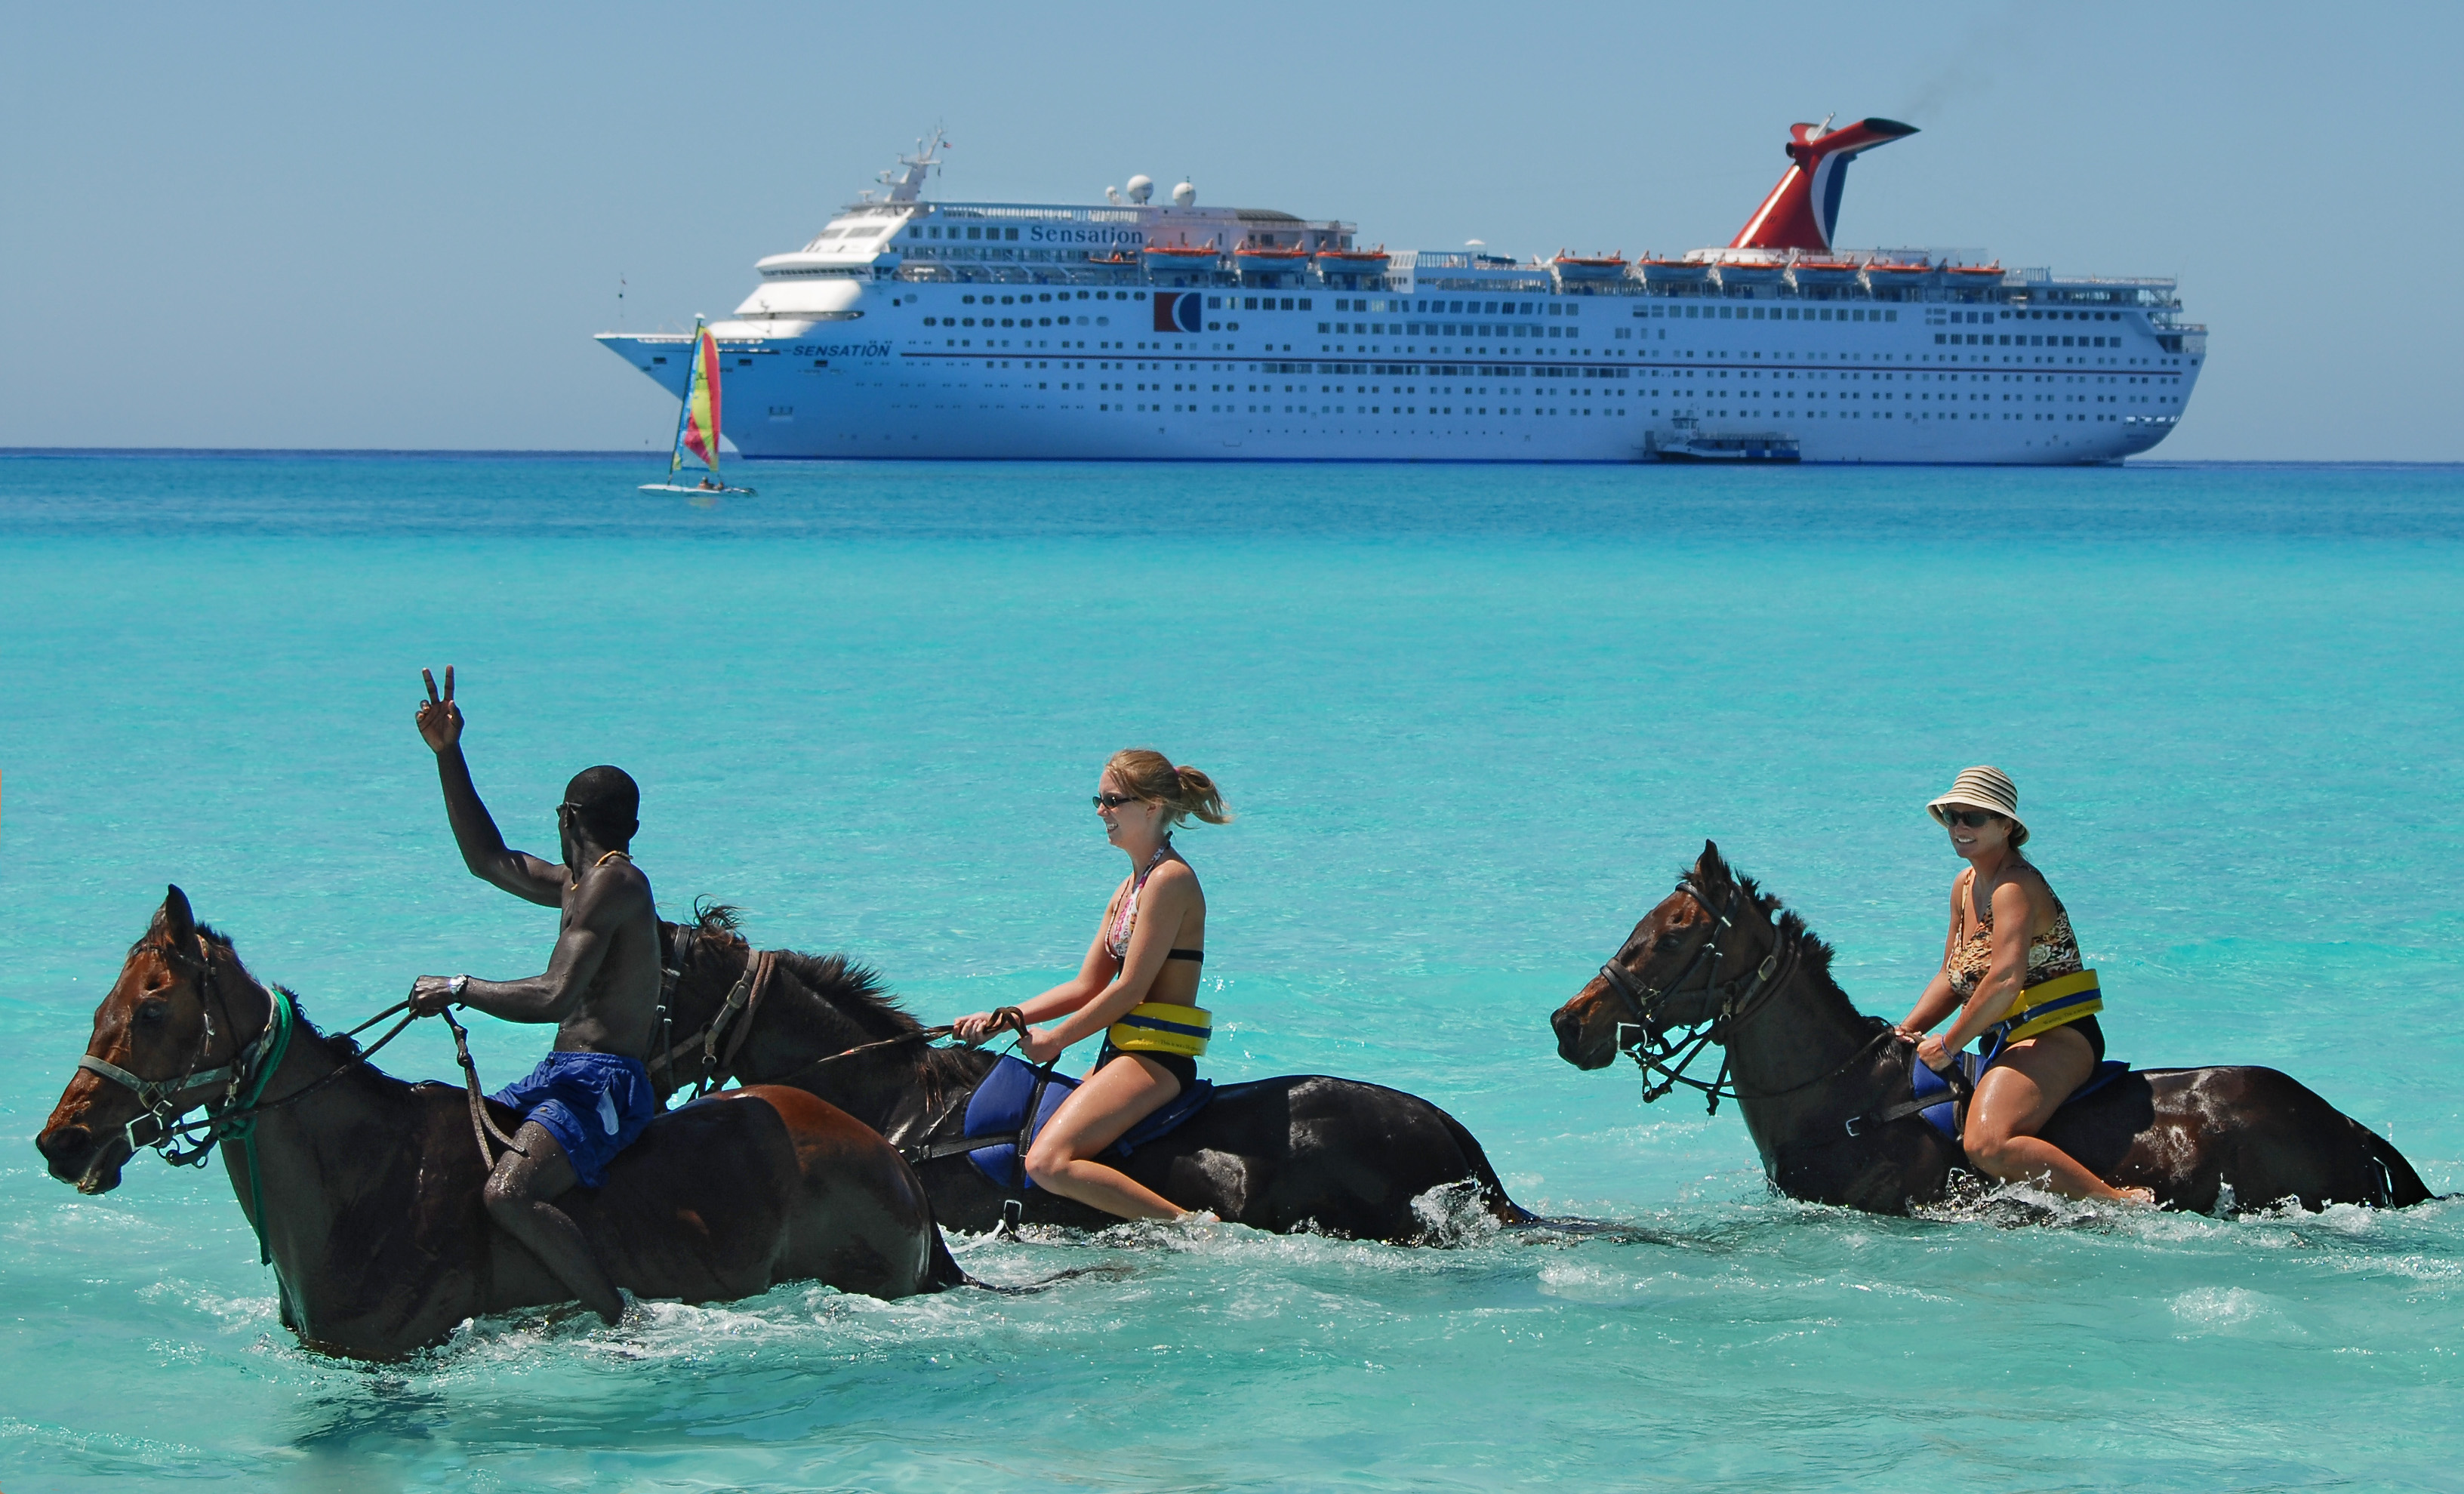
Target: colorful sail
x=701, y=401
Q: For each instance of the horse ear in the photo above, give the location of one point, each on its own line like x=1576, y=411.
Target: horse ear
x=1710, y=866
x=177, y=919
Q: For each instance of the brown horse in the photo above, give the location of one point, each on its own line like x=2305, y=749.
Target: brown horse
x=365, y=1191
x=1299, y=1151
x=1825, y=1089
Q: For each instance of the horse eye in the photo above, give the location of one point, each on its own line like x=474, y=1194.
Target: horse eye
x=152, y=1013
x=1671, y=942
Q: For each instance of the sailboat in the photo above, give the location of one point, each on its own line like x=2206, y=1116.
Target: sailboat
x=697, y=421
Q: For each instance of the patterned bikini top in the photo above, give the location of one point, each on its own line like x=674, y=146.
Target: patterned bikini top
x=2051, y=955
x=1125, y=918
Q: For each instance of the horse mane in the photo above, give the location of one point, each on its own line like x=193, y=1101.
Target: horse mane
x=855, y=990
x=342, y=1047
x=1813, y=951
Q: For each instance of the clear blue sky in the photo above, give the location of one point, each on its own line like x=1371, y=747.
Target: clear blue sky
x=352, y=226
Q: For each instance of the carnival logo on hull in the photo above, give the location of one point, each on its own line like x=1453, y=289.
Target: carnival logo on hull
x=1182, y=311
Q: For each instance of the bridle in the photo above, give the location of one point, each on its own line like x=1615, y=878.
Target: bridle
x=1738, y=999
x=1672, y=1050
x=159, y=1100
x=166, y=1102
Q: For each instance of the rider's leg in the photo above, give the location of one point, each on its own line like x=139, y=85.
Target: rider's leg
x=519, y=1193
x=1097, y=1114
x=2015, y=1100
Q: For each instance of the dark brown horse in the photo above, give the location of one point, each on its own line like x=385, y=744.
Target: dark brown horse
x=365, y=1191
x=1300, y=1152
x=1723, y=961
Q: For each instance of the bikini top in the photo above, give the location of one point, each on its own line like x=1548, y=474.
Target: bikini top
x=1125, y=918
x=2051, y=955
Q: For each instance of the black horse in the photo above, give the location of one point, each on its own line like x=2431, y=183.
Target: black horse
x=1302, y=1152
x=1825, y=1089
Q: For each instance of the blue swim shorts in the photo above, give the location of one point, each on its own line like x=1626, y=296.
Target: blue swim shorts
x=593, y=1104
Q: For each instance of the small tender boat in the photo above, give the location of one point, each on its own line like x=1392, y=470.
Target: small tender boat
x=1689, y=442
x=697, y=421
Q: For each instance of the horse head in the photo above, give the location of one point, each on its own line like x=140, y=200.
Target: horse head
x=1674, y=969
x=167, y=1023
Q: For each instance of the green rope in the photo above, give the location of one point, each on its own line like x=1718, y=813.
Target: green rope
x=243, y=1132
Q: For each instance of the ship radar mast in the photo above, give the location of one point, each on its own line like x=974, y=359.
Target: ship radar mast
x=906, y=180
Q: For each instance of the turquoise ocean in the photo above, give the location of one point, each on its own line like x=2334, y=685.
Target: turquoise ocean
x=1474, y=722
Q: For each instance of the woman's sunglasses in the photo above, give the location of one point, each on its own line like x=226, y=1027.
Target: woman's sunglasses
x=1973, y=819
x=1115, y=801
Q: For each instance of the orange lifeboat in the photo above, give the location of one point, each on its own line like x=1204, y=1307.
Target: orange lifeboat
x=1589, y=267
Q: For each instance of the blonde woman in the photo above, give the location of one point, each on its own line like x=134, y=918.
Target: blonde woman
x=1137, y=985
x=2011, y=973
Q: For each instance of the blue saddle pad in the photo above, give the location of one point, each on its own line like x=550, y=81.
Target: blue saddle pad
x=1944, y=1117
x=997, y=1110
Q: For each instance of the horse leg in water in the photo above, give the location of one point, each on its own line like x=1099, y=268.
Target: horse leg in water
x=1097, y=1114
x=520, y=1196
x=2015, y=1100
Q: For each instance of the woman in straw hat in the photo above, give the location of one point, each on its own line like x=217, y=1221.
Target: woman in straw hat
x=2011, y=974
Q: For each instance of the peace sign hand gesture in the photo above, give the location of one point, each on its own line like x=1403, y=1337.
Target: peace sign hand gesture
x=440, y=719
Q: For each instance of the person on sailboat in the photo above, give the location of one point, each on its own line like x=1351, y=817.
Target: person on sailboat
x=590, y=1097
x=1137, y=986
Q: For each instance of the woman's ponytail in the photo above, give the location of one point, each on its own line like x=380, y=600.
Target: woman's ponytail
x=1184, y=791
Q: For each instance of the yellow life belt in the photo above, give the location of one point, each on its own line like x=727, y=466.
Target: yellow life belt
x=2041, y=1008
x=1161, y=1027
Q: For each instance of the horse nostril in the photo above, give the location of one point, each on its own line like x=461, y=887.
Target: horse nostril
x=1568, y=1027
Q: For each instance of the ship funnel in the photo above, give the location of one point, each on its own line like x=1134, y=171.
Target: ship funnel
x=1804, y=208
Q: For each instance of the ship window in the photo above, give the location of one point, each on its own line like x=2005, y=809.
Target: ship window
x=1138, y=295
x=968, y=300
x=975, y=232
x=1009, y=233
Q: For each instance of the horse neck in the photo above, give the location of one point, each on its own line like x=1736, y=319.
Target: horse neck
x=314, y=1172
x=1805, y=1026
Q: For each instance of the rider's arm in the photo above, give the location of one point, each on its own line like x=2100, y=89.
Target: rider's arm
x=483, y=850
x=1937, y=1001
x=483, y=846
x=1171, y=892
x=599, y=907
x=2013, y=917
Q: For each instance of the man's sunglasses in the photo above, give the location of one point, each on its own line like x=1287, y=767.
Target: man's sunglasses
x=1973, y=819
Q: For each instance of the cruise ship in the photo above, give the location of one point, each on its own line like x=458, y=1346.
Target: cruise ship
x=1173, y=331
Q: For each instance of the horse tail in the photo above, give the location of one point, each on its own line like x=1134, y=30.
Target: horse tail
x=2404, y=1186
x=1492, y=1193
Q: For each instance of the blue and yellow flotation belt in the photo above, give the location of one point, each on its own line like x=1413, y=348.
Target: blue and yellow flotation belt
x=1161, y=1027
x=2041, y=1008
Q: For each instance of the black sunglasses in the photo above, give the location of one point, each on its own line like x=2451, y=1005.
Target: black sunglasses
x=1115, y=801
x=1973, y=819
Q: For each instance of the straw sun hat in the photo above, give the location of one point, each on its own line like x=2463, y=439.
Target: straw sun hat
x=1982, y=788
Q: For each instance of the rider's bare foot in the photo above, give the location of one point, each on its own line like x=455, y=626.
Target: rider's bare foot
x=2146, y=1195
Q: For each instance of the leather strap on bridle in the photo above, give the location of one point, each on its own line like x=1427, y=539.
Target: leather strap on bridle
x=1738, y=999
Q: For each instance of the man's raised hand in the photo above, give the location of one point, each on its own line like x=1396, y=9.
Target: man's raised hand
x=440, y=719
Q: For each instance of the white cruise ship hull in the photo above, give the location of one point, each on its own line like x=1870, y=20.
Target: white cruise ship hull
x=1855, y=391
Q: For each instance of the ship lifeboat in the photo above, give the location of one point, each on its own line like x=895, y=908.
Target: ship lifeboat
x=1735, y=272
x=1675, y=271
x=1974, y=275
x=1589, y=267
x=1353, y=261
x=1182, y=256
x=1823, y=272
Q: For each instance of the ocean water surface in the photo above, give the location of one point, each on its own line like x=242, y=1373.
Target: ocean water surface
x=1474, y=721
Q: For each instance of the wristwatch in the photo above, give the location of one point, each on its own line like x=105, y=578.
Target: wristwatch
x=456, y=986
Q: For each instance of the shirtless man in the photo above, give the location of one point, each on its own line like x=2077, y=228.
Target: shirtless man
x=590, y=1097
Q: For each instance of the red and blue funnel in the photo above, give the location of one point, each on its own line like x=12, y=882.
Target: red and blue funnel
x=1804, y=208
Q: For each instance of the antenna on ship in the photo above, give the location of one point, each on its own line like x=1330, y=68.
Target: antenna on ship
x=906, y=180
